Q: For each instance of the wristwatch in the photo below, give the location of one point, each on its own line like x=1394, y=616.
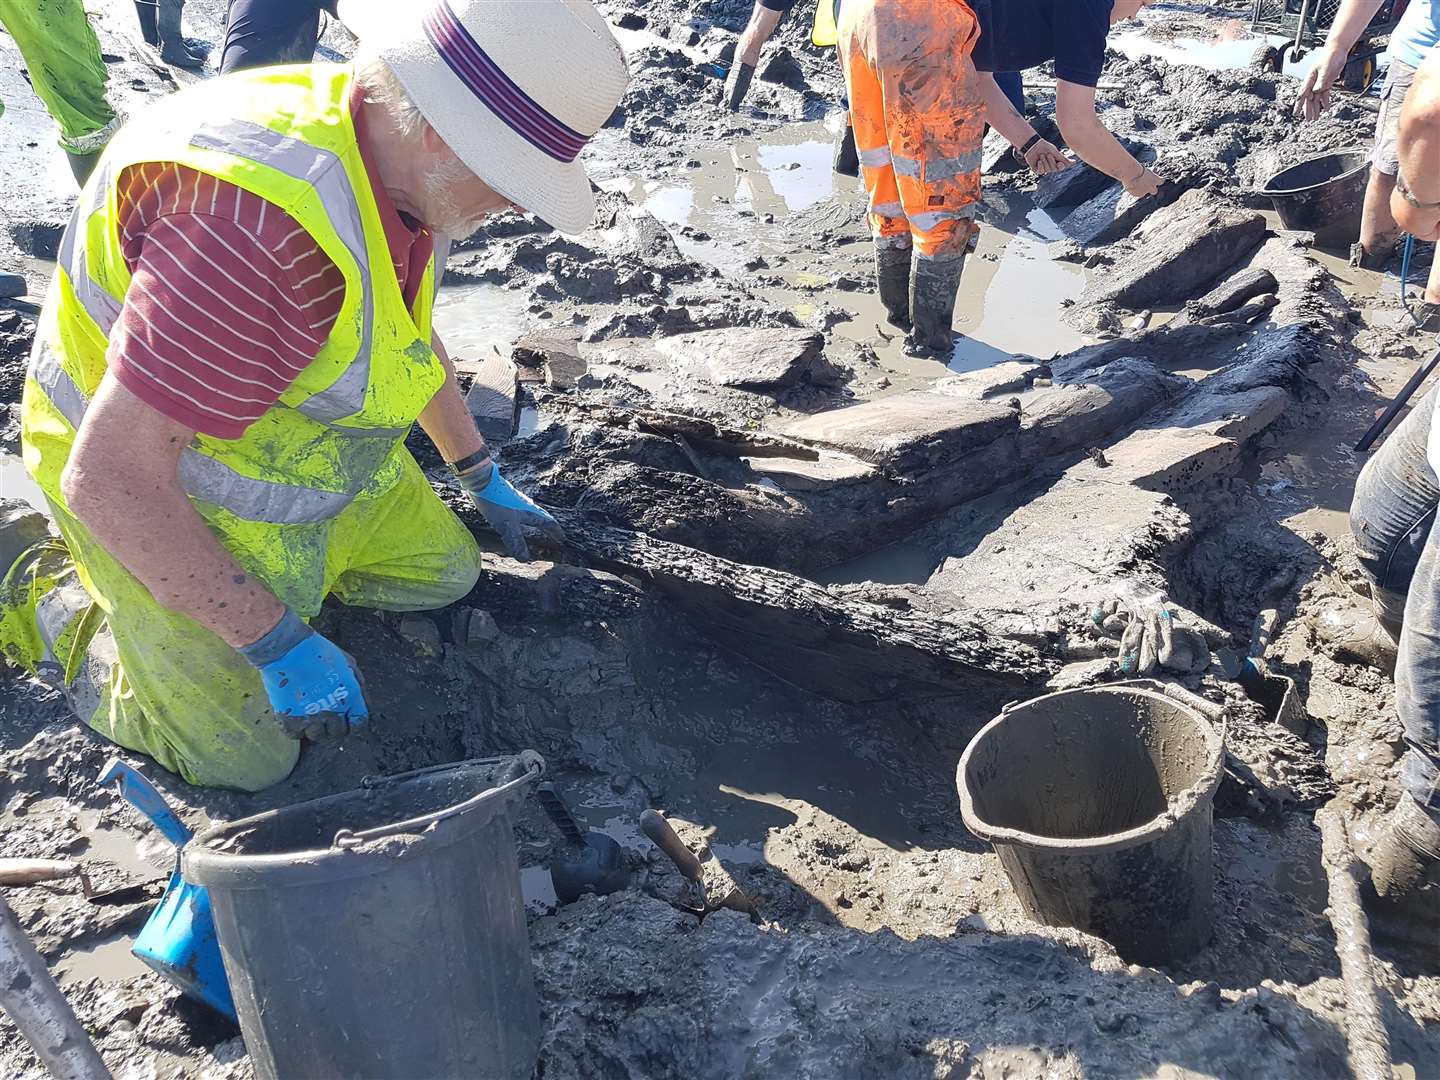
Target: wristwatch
x=1409, y=196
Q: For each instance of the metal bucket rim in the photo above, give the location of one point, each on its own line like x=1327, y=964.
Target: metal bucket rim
x=1179, y=807
x=1266, y=189
x=202, y=866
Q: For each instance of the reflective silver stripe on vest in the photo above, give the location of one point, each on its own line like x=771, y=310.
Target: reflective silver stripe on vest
x=876, y=158
x=213, y=481
x=102, y=308
x=443, y=244
x=58, y=386
x=324, y=172
x=202, y=477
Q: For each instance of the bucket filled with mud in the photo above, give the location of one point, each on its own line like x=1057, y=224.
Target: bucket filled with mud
x=1324, y=195
x=1098, y=803
x=380, y=932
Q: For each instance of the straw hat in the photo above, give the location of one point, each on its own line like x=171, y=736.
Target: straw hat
x=515, y=87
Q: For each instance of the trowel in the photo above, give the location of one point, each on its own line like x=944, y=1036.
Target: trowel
x=712, y=882
x=591, y=862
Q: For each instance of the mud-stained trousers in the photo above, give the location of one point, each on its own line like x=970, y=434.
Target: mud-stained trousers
x=1392, y=518
x=159, y=683
x=918, y=114
x=63, y=59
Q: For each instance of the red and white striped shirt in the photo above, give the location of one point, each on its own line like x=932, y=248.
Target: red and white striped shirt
x=229, y=297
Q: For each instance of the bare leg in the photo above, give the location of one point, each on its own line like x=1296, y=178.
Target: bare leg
x=761, y=25
x=1378, y=229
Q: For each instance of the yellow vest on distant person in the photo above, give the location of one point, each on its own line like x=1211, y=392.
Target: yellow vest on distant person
x=287, y=135
x=823, y=32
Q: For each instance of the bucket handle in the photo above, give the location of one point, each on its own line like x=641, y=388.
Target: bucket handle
x=525, y=767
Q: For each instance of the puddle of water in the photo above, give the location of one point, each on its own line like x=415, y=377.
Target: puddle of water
x=145, y=859
x=476, y=320
x=739, y=854
x=1015, y=305
x=906, y=563
x=110, y=961
x=798, y=174
x=15, y=483
x=1011, y=301
x=1233, y=47
x=782, y=172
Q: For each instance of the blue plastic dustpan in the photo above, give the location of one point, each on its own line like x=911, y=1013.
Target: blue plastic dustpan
x=178, y=940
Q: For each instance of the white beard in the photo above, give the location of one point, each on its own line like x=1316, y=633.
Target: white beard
x=442, y=213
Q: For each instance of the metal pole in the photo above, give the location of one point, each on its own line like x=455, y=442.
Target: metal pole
x=1401, y=399
x=30, y=997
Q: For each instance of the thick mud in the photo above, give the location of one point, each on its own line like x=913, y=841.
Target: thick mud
x=805, y=568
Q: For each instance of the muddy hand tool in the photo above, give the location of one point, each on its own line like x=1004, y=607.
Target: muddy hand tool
x=590, y=862
x=717, y=888
x=39, y=871
x=1401, y=399
x=29, y=996
x=178, y=940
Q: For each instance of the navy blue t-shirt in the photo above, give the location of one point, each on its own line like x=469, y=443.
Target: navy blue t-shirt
x=1019, y=34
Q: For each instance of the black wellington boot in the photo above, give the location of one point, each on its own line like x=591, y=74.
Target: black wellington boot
x=892, y=272
x=145, y=11
x=173, y=49
x=933, y=285
x=847, y=161
x=737, y=85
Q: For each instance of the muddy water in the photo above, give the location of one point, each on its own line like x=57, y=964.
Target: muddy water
x=475, y=321
x=909, y=562
x=15, y=483
x=110, y=961
x=724, y=209
x=1233, y=47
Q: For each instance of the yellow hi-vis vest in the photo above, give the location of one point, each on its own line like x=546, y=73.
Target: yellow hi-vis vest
x=335, y=435
x=823, y=31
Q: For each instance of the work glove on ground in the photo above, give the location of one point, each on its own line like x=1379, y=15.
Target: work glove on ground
x=1406, y=852
x=508, y=511
x=1150, y=638
x=313, y=684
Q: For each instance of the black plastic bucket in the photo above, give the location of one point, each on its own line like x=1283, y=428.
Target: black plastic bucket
x=1098, y=802
x=381, y=932
x=1324, y=195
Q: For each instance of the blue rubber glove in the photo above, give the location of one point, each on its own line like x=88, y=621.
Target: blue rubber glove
x=508, y=511
x=313, y=685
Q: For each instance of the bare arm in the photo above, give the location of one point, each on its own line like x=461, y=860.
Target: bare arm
x=121, y=483
x=1092, y=140
x=447, y=420
x=1419, y=147
x=1350, y=22
x=1001, y=115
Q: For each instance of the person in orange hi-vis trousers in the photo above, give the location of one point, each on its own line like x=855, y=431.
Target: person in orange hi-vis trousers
x=918, y=108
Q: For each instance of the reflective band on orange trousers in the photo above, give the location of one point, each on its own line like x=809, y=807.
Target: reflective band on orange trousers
x=919, y=118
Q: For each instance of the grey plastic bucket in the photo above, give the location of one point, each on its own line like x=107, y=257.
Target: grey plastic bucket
x=1098, y=802
x=380, y=932
x=1324, y=195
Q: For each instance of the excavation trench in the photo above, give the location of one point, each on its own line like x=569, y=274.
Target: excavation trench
x=805, y=568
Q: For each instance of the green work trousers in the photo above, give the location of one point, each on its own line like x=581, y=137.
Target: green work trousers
x=63, y=59
x=157, y=682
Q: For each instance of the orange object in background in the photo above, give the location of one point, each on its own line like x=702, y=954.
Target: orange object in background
x=919, y=118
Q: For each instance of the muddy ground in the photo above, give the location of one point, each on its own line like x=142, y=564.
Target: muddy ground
x=805, y=567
